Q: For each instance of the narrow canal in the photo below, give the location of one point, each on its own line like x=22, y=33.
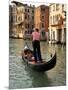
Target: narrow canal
x=20, y=76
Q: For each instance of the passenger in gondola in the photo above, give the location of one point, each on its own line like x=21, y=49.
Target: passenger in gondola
x=28, y=54
x=36, y=45
x=25, y=51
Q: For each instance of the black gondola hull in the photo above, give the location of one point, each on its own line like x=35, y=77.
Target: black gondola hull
x=44, y=66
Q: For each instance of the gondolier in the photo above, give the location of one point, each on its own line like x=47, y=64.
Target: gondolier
x=36, y=45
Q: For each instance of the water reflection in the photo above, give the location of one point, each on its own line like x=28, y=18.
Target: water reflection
x=39, y=79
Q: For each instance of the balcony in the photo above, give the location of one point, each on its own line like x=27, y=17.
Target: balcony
x=59, y=22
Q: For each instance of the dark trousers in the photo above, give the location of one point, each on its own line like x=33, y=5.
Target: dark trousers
x=36, y=50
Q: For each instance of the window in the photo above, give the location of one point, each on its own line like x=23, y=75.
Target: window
x=65, y=16
x=63, y=7
x=43, y=9
x=26, y=32
x=25, y=10
x=12, y=19
x=53, y=7
x=28, y=25
x=32, y=11
x=32, y=26
x=42, y=25
x=43, y=33
x=42, y=17
x=28, y=10
x=57, y=6
x=25, y=16
x=25, y=25
x=55, y=19
x=32, y=17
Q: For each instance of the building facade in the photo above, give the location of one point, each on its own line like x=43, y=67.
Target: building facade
x=28, y=20
x=17, y=20
x=57, y=23
x=42, y=20
x=22, y=20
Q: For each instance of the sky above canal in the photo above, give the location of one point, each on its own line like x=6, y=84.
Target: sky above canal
x=39, y=2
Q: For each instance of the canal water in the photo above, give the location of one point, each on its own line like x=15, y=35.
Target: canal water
x=20, y=76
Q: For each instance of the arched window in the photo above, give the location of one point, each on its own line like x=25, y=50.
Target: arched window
x=43, y=33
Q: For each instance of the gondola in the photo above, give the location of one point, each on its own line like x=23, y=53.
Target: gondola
x=41, y=66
